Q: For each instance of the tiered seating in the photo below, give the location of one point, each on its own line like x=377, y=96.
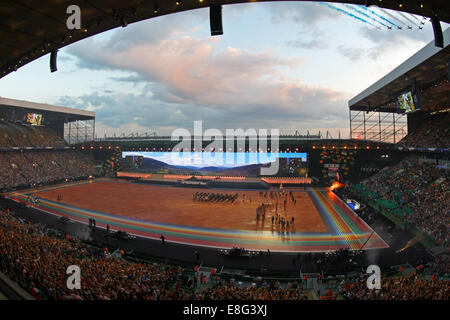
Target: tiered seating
x=32, y=255
x=14, y=135
x=415, y=191
x=40, y=167
x=22, y=244
x=434, y=133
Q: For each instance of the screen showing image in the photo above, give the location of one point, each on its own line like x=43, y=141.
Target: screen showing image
x=407, y=102
x=34, y=119
x=217, y=163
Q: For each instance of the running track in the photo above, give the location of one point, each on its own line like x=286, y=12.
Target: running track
x=345, y=229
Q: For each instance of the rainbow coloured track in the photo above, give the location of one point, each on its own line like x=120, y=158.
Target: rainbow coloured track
x=345, y=229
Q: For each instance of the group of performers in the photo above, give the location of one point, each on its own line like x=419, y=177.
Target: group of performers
x=278, y=219
x=283, y=223
x=279, y=195
x=274, y=206
x=215, y=197
x=261, y=211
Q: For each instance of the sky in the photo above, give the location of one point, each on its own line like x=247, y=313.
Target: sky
x=289, y=66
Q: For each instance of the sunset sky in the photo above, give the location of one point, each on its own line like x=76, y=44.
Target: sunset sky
x=291, y=66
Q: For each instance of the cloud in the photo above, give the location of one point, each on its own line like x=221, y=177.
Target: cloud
x=136, y=79
x=353, y=54
x=156, y=30
x=292, y=107
x=186, y=78
x=307, y=14
x=152, y=31
x=188, y=70
x=308, y=17
x=307, y=44
x=312, y=40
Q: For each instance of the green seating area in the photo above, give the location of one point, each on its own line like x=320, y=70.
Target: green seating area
x=388, y=208
x=391, y=210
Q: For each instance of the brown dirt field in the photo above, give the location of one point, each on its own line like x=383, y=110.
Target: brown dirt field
x=175, y=206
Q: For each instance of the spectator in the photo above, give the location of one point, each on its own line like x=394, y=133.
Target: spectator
x=419, y=190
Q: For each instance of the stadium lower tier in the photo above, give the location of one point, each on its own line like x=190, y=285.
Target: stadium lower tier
x=310, y=220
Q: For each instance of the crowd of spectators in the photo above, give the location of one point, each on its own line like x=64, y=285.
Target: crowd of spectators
x=402, y=287
x=27, y=168
x=37, y=258
x=421, y=192
x=23, y=168
x=267, y=291
x=434, y=133
x=14, y=135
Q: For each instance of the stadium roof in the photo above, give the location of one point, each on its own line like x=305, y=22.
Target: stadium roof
x=428, y=66
x=69, y=113
x=30, y=29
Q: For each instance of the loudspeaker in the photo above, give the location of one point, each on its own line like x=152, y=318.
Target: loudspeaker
x=438, y=35
x=53, y=57
x=215, y=19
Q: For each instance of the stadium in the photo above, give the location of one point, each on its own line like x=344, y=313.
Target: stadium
x=202, y=216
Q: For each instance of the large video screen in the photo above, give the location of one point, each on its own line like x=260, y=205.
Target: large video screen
x=215, y=163
x=407, y=102
x=34, y=119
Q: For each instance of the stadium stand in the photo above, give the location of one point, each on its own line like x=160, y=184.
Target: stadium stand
x=434, y=133
x=412, y=287
x=36, y=256
x=416, y=192
x=14, y=135
x=35, y=155
x=29, y=168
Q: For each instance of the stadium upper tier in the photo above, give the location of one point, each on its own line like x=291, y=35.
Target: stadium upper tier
x=426, y=72
x=19, y=136
x=72, y=125
x=24, y=169
x=12, y=109
x=403, y=102
x=31, y=30
x=433, y=133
